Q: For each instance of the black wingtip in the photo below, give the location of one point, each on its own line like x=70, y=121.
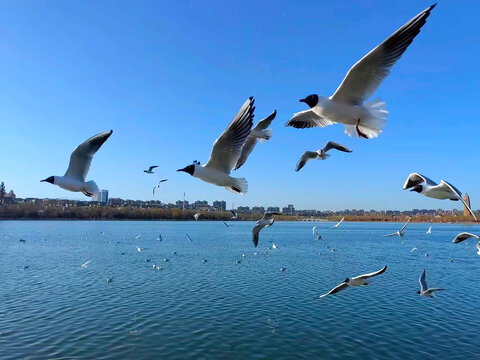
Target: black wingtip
x=432, y=7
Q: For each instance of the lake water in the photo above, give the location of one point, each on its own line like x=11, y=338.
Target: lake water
x=222, y=309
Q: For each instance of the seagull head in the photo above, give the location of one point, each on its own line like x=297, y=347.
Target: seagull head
x=417, y=188
x=346, y=280
x=190, y=169
x=310, y=100
x=50, y=179
x=419, y=292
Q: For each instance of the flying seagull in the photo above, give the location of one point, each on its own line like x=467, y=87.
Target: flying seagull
x=464, y=236
x=226, y=152
x=259, y=132
x=234, y=215
x=320, y=154
x=86, y=264
x=401, y=231
x=347, y=105
x=423, y=185
x=158, y=185
x=266, y=220
x=80, y=160
x=150, y=169
x=338, y=224
x=429, y=231
x=424, y=289
x=196, y=216
x=355, y=281
x=314, y=229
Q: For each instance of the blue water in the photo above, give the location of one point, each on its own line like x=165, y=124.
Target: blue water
x=227, y=310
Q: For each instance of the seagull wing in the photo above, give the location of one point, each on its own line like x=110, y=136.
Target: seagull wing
x=369, y=275
x=307, y=119
x=395, y=233
x=307, y=155
x=82, y=156
x=423, y=282
x=457, y=194
x=256, y=233
x=152, y=167
x=246, y=150
x=415, y=179
x=336, y=289
x=162, y=180
x=265, y=123
x=464, y=236
x=228, y=147
x=363, y=79
x=405, y=226
x=333, y=145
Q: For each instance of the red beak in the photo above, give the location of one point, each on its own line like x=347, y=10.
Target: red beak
x=302, y=100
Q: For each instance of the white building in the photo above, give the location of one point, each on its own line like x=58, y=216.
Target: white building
x=101, y=196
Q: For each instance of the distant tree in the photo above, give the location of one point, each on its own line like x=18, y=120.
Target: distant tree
x=3, y=192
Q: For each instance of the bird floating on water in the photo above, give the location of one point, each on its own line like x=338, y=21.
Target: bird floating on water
x=401, y=231
x=86, y=264
x=138, y=249
x=355, y=281
x=109, y=279
x=80, y=160
x=424, y=289
x=150, y=169
x=320, y=154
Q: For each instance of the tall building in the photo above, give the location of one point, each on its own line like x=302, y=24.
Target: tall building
x=220, y=205
x=101, y=197
x=467, y=201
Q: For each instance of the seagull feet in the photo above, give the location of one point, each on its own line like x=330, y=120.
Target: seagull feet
x=362, y=135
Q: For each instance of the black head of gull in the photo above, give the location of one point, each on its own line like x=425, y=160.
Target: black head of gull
x=50, y=179
x=190, y=169
x=346, y=280
x=310, y=100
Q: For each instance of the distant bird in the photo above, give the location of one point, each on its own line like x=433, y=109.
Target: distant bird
x=266, y=220
x=204, y=260
x=283, y=269
x=159, y=238
x=226, y=152
x=159, y=268
x=189, y=238
x=318, y=237
x=234, y=215
x=338, y=224
x=243, y=255
x=150, y=169
x=109, y=279
x=259, y=132
x=80, y=160
x=429, y=231
x=226, y=225
x=166, y=259
x=196, y=216
x=148, y=260
x=401, y=231
x=138, y=249
x=424, y=290
x=413, y=249
x=274, y=247
x=138, y=236
x=86, y=264
x=314, y=230
x=158, y=185
x=355, y=281
x=26, y=267
x=238, y=262
x=347, y=105
x=428, y=188
x=320, y=154
x=464, y=236
x=23, y=240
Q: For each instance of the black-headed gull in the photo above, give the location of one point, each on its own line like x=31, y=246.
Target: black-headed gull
x=424, y=290
x=320, y=154
x=401, y=231
x=150, y=169
x=355, y=281
x=338, y=224
x=266, y=220
x=464, y=236
x=158, y=185
x=80, y=160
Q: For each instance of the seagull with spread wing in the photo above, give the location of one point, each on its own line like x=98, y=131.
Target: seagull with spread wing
x=401, y=231
x=464, y=236
x=150, y=169
x=424, y=289
x=266, y=221
x=423, y=185
x=347, y=105
x=355, y=281
x=80, y=160
x=158, y=185
x=226, y=152
x=338, y=224
x=320, y=154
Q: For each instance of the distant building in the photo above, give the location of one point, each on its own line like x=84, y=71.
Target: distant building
x=273, y=209
x=220, y=205
x=467, y=201
x=288, y=210
x=9, y=198
x=101, y=197
x=258, y=209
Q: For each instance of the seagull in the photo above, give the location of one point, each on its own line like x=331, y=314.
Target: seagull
x=401, y=231
x=320, y=154
x=234, y=215
x=80, y=160
x=266, y=220
x=337, y=225
x=429, y=231
x=424, y=290
x=283, y=269
x=347, y=105
x=23, y=240
x=196, y=216
x=413, y=249
x=138, y=248
x=189, y=238
x=259, y=132
x=314, y=230
x=150, y=169
x=109, y=279
x=226, y=225
x=318, y=237
x=274, y=247
x=226, y=152
x=425, y=186
x=158, y=185
x=138, y=236
x=355, y=281
x=464, y=236
x=159, y=238
x=86, y=264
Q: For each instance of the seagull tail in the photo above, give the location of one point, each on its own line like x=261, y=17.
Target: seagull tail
x=239, y=186
x=372, y=123
x=266, y=135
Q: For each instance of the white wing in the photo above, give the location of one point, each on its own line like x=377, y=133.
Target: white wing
x=464, y=236
x=307, y=119
x=369, y=275
x=363, y=79
x=82, y=156
x=389, y=235
x=405, y=226
x=333, y=145
x=423, y=282
x=336, y=289
x=307, y=155
x=337, y=225
x=265, y=123
x=458, y=194
x=227, y=148
x=415, y=179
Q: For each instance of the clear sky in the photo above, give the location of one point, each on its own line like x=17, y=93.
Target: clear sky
x=168, y=76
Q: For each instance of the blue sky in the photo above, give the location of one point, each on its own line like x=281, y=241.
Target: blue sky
x=168, y=77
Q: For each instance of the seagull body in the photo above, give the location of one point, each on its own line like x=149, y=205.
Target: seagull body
x=443, y=191
x=401, y=231
x=347, y=105
x=80, y=160
x=158, y=185
x=464, y=236
x=429, y=231
x=226, y=152
x=320, y=154
x=314, y=230
x=150, y=169
x=338, y=224
x=424, y=290
x=234, y=215
x=258, y=133
x=86, y=264
x=355, y=281
x=274, y=247
x=196, y=216
x=266, y=220
x=138, y=249
x=138, y=236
